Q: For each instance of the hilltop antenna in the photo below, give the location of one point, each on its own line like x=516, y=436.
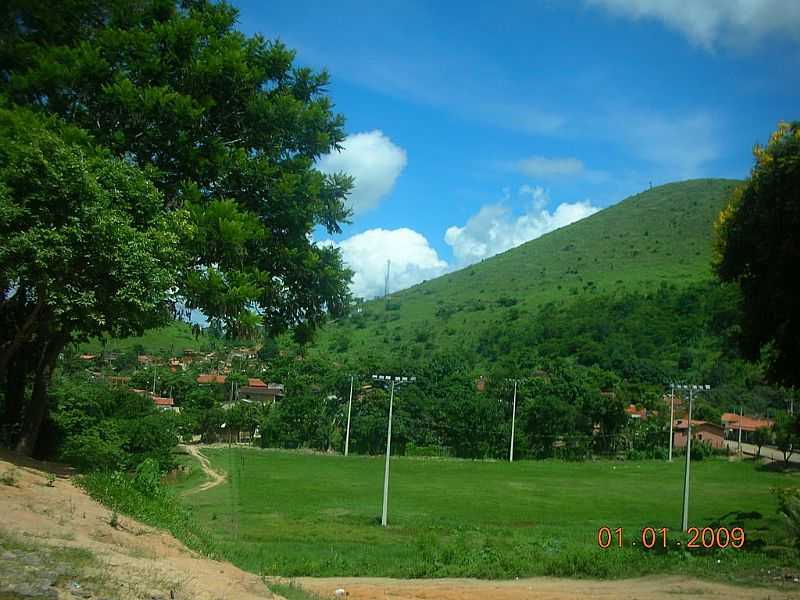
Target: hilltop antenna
x=386, y=283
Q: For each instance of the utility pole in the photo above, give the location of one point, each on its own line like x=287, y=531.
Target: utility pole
x=741, y=414
x=513, y=423
x=154, y=380
x=685, y=516
x=392, y=380
x=349, y=410
x=671, y=416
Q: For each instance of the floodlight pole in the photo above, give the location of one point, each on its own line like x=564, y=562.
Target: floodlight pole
x=671, y=416
x=685, y=516
x=385, y=513
x=349, y=411
x=741, y=416
x=393, y=380
x=513, y=422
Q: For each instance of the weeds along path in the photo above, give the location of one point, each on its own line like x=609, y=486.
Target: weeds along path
x=215, y=477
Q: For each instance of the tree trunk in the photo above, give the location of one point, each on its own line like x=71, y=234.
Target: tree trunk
x=37, y=407
x=16, y=378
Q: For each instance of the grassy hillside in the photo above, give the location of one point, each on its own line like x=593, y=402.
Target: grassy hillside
x=174, y=338
x=660, y=235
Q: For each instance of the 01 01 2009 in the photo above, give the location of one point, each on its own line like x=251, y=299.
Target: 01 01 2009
x=651, y=537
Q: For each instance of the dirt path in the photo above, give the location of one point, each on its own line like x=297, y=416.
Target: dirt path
x=131, y=561
x=215, y=477
x=539, y=588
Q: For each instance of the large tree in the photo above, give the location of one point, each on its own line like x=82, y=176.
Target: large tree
x=224, y=125
x=86, y=250
x=758, y=247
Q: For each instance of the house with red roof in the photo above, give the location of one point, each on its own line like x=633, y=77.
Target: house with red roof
x=702, y=431
x=733, y=423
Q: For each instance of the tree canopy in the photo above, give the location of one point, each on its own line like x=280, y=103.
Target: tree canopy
x=758, y=248
x=86, y=250
x=225, y=124
x=190, y=122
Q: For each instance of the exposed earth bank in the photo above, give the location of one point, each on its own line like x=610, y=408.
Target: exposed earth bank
x=46, y=530
x=56, y=542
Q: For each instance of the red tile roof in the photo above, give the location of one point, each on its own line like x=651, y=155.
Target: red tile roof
x=159, y=401
x=635, y=412
x=253, y=382
x=681, y=424
x=733, y=421
x=210, y=378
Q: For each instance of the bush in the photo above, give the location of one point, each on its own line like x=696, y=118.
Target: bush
x=100, y=427
x=789, y=507
x=148, y=478
x=95, y=449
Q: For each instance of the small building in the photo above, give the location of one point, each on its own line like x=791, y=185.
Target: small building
x=640, y=414
x=733, y=423
x=259, y=391
x=209, y=378
x=165, y=403
x=117, y=380
x=702, y=431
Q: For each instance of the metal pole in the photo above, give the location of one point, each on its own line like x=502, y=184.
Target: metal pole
x=671, y=416
x=349, y=410
x=685, y=518
x=384, y=516
x=513, y=420
x=741, y=414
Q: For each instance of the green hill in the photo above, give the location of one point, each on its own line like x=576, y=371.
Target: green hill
x=662, y=235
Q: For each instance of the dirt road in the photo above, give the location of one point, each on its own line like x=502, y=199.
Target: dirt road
x=215, y=477
x=539, y=588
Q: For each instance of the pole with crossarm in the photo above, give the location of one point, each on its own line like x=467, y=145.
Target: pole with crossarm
x=686, y=472
x=392, y=380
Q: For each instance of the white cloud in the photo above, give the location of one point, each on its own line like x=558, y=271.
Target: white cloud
x=375, y=163
x=494, y=229
x=705, y=22
x=413, y=260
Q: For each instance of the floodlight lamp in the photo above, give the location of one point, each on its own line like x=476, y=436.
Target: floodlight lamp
x=708, y=387
x=375, y=377
x=405, y=379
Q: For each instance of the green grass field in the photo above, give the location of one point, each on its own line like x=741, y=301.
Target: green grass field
x=304, y=514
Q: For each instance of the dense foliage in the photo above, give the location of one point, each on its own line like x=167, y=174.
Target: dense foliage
x=759, y=249
x=86, y=250
x=99, y=427
x=199, y=124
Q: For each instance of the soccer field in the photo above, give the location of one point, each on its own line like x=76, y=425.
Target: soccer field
x=309, y=514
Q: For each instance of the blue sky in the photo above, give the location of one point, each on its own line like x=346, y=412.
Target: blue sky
x=476, y=126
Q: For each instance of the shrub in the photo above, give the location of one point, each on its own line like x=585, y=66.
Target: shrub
x=98, y=448
x=789, y=507
x=148, y=478
x=9, y=477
